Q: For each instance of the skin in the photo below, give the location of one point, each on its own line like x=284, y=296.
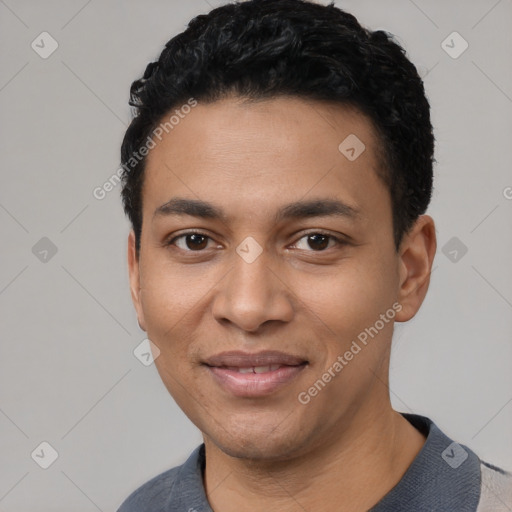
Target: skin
x=347, y=446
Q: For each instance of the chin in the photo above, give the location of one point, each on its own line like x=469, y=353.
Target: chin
x=256, y=450
x=257, y=442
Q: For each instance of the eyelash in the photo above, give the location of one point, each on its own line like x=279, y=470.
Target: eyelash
x=340, y=242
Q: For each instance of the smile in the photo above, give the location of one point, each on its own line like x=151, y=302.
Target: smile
x=254, y=381
x=255, y=369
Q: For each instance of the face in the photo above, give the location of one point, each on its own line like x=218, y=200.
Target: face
x=266, y=252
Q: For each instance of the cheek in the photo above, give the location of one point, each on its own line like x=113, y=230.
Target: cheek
x=176, y=301
x=167, y=292
x=350, y=306
x=357, y=294
x=167, y=299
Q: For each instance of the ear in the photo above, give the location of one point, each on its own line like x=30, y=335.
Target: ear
x=134, y=273
x=416, y=256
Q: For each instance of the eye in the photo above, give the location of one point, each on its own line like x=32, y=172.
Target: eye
x=191, y=242
x=319, y=241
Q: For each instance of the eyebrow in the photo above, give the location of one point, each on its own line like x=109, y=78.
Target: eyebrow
x=297, y=210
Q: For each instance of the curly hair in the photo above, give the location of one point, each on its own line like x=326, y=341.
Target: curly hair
x=261, y=49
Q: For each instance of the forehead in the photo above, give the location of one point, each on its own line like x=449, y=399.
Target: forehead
x=255, y=155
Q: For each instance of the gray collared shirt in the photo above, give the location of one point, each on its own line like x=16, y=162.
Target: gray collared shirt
x=444, y=477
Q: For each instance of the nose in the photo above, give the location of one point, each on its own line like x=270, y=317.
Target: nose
x=253, y=294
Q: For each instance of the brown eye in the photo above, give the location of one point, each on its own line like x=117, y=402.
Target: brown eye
x=318, y=242
x=191, y=241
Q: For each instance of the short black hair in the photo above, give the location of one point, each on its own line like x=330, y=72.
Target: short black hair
x=259, y=49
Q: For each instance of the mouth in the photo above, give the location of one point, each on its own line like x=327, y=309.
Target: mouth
x=254, y=369
x=254, y=375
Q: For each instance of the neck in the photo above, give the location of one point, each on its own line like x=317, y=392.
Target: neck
x=354, y=469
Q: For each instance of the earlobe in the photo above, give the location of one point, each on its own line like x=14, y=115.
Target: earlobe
x=417, y=253
x=134, y=275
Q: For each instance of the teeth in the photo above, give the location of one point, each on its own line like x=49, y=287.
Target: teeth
x=257, y=369
x=261, y=369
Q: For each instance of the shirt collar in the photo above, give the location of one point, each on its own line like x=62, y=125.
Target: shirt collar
x=443, y=474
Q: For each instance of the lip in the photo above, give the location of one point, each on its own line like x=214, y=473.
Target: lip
x=223, y=368
x=245, y=359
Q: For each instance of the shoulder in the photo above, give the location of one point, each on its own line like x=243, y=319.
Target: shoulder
x=496, y=489
x=172, y=489
x=446, y=475
x=152, y=495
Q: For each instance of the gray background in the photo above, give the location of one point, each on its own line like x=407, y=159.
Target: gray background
x=68, y=375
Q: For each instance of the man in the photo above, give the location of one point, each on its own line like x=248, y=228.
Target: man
x=277, y=175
